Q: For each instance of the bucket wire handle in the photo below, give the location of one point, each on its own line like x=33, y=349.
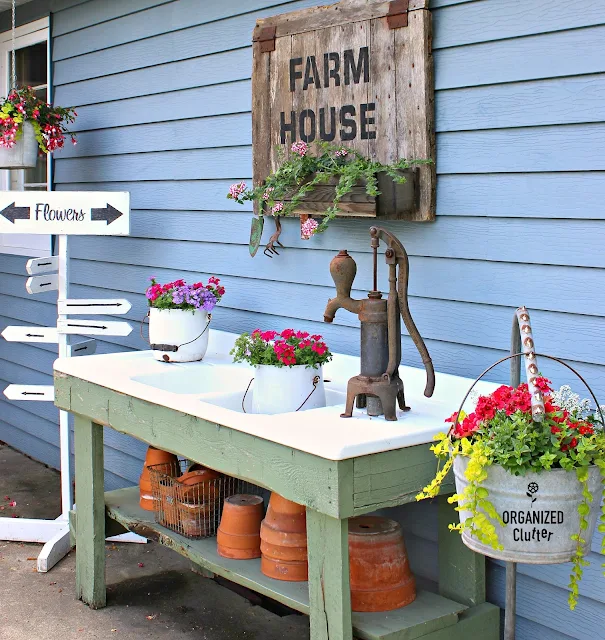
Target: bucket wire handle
x=170, y=347
x=316, y=380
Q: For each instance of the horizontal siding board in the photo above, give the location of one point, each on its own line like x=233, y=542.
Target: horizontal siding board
x=31, y=445
x=205, y=39
x=157, y=20
x=447, y=236
x=557, y=575
x=553, y=55
x=524, y=195
x=498, y=283
x=198, y=133
x=228, y=66
x=211, y=164
x=76, y=18
x=552, y=149
x=522, y=104
x=500, y=19
x=233, y=97
x=167, y=194
x=547, y=605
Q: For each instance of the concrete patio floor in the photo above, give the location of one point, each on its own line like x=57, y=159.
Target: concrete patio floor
x=152, y=591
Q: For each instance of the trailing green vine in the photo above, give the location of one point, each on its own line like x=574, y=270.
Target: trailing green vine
x=501, y=431
x=283, y=191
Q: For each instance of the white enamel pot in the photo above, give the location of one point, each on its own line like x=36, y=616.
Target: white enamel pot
x=186, y=330
x=287, y=389
x=540, y=511
x=24, y=154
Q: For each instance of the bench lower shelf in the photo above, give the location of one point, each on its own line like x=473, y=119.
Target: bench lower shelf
x=426, y=615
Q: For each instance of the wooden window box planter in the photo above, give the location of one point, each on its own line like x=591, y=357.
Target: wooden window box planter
x=395, y=202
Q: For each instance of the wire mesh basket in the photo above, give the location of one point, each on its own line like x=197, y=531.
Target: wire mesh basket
x=188, y=498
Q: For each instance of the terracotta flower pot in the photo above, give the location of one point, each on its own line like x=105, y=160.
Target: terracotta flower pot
x=284, y=540
x=195, y=520
x=198, y=486
x=381, y=579
x=238, y=535
x=154, y=456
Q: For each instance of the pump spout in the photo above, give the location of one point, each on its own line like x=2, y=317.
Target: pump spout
x=343, y=270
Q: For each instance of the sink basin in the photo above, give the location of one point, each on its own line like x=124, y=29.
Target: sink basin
x=233, y=400
x=205, y=378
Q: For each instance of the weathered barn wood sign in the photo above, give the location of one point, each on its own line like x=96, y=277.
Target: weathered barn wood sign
x=358, y=73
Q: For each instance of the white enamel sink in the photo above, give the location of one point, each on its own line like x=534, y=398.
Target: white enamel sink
x=233, y=400
x=199, y=380
x=214, y=388
x=222, y=385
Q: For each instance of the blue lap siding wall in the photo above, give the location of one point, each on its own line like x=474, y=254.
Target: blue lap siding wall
x=163, y=95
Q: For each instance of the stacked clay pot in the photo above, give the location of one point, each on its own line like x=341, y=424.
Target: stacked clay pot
x=196, y=501
x=238, y=535
x=283, y=536
x=154, y=456
x=381, y=579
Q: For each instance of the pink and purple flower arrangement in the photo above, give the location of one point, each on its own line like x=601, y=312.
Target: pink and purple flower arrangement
x=188, y=297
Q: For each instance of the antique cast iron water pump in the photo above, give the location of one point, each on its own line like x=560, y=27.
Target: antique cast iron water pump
x=378, y=386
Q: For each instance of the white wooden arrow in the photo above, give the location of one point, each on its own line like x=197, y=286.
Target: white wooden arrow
x=94, y=307
x=39, y=392
x=42, y=265
x=39, y=284
x=31, y=334
x=93, y=327
x=84, y=348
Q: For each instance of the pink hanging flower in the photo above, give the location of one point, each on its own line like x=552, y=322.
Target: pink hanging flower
x=236, y=190
x=268, y=192
x=277, y=208
x=308, y=229
x=341, y=153
x=300, y=148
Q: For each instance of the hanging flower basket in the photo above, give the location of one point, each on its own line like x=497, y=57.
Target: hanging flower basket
x=24, y=153
x=539, y=512
x=288, y=373
x=29, y=126
x=179, y=318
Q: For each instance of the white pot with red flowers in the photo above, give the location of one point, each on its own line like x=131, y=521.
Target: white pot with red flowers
x=29, y=126
x=288, y=369
x=179, y=318
x=527, y=490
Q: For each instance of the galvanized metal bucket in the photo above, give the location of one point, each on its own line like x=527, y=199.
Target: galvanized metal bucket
x=539, y=509
x=24, y=154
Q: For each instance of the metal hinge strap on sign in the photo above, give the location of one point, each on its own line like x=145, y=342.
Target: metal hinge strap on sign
x=266, y=37
x=397, y=15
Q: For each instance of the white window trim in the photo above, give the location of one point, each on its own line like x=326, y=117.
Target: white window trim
x=25, y=36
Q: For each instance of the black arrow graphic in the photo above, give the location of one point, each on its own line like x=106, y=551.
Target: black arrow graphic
x=109, y=214
x=12, y=213
x=96, y=304
x=34, y=335
x=86, y=326
x=31, y=393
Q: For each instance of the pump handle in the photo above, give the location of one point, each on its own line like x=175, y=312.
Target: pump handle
x=398, y=256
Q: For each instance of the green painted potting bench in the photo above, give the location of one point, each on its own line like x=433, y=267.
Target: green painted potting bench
x=332, y=491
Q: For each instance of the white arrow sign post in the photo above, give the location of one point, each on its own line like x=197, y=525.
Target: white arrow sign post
x=94, y=213
x=94, y=307
x=61, y=213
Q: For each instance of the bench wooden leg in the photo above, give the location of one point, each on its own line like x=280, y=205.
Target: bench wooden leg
x=90, y=513
x=329, y=590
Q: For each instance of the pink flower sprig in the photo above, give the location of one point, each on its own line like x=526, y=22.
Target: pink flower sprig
x=236, y=190
x=308, y=228
x=300, y=148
